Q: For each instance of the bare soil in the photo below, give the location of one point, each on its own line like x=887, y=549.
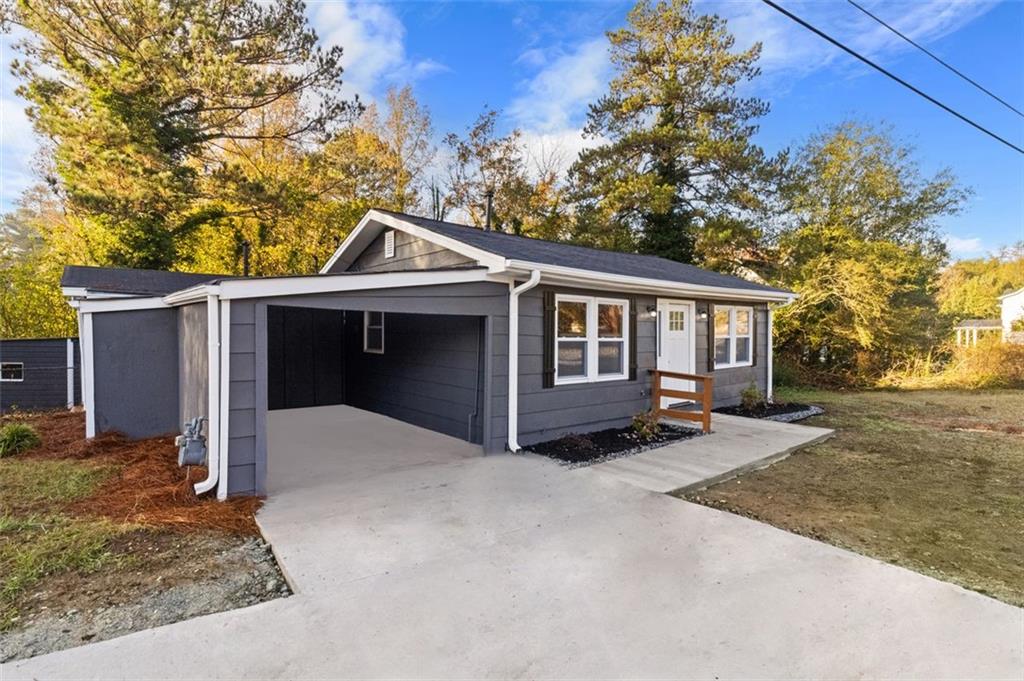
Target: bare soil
x=929, y=480
x=142, y=549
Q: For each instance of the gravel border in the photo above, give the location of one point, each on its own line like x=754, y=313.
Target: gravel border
x=796, y=415
x=573, y=465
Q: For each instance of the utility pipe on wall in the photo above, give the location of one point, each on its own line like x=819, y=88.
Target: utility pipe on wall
x=213, y=383
x=513, y=356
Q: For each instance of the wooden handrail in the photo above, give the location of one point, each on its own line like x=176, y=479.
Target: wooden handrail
x=706, y=396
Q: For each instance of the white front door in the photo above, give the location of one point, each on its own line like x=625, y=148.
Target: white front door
x=676, y=340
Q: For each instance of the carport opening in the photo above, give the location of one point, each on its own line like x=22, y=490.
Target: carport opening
x=424, y=369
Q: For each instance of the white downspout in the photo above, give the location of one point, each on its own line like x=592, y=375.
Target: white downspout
x=225, y=395
x=770, y=392
x=213, y=396
x=513, y=356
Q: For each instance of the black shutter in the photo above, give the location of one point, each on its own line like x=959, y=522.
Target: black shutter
x=711, y=337
x=632, y=339
x=549, y=340
x=753, y=335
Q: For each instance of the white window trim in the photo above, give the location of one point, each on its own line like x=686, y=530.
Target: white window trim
x=366, y=333
x=14, y=380
x=732, y=364
x=389, y=244
x=593, y=340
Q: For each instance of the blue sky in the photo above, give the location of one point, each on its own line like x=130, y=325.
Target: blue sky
x=542, y=63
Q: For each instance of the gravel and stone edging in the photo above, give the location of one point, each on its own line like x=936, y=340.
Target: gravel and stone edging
x=218, y=574
x=811, y=410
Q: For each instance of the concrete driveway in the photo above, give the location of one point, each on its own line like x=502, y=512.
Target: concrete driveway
x=455, y=566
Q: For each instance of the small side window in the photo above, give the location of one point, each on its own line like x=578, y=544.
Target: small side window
x=373, y=332
x=389, y=243
x=12, y=371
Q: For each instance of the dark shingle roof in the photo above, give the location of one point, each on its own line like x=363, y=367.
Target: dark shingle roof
x=137, y=282
x=580, y=257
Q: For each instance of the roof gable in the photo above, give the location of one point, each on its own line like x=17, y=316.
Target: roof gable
x=497, y=250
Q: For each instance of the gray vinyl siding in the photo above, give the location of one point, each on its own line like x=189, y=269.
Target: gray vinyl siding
x=135, y=370
x=411, y=253
x=729, y=383
x=486, y=301
x=45, y=384
x=547, y=413
x=193, y=363
x=429, y=374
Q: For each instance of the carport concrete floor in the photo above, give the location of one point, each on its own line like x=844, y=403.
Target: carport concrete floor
x=433, y=564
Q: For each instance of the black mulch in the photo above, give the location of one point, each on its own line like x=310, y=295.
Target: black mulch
x=773, y=409
x=603, y=445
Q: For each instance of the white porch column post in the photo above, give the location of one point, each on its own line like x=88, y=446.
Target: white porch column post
x=770, y=388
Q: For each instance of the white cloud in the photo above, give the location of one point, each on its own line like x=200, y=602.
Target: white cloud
x=18, y=143
x=789, y=49
x=556, y=98
x=960, y=246
x=373, y=39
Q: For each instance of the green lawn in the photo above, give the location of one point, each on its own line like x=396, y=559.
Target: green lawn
x=37, y=538
x=929, y=480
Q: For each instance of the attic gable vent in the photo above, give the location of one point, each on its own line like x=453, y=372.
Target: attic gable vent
x=389, y=243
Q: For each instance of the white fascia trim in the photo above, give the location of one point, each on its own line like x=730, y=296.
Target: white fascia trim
x=336, y=283
x=122, y=304
x=193, y=294
x=82, y=292
x=591, y=279
x=1010, y=294
x=491, y=261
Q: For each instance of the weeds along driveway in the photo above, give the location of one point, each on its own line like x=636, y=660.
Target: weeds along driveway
x=509, y=567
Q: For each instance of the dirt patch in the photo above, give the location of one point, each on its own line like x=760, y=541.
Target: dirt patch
x=927, y=480
x=156, y=579
x=102, y=537
x=603, y=445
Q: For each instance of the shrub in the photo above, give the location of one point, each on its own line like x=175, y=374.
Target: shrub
x=16, y=438
x=579, y=441
x=645, y=426
x=992, y=364
x=752, y=398
x=1017, y=325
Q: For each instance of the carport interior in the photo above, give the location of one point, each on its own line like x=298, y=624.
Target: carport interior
x=424, y=369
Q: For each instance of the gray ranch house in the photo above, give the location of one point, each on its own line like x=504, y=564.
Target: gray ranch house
x=497, y=339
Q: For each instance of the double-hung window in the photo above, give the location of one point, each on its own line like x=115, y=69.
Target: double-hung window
x=373, y=332
x=590, y=339
x=734, y=336
x=12, y=371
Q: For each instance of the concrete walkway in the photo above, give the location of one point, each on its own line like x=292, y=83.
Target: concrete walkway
x=444, y=566
x=736, y=445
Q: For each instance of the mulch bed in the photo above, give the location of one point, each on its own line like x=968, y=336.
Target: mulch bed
x=774, y=411
x=577, y=450
x=149, y=488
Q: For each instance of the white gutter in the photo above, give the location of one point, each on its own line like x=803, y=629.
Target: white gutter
x=572, y=275
x=513, y=356
x=213, y=409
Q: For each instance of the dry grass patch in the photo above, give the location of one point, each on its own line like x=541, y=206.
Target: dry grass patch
x=930, y=480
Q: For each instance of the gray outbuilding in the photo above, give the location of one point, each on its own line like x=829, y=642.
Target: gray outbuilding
x=500, y=340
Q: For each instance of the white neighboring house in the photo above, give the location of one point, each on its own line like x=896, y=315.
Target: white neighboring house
x=1012, y=311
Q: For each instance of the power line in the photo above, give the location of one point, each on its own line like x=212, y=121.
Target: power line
x=894, y=77
x=947, y=65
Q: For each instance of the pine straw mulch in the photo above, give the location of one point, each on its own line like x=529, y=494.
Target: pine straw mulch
x=148, y=488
